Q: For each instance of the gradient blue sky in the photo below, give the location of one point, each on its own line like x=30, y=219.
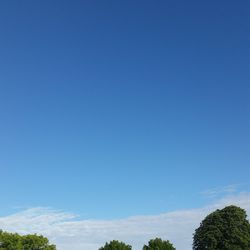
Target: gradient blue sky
x=118, y=108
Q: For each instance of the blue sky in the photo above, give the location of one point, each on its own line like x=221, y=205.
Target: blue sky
x=118, y=108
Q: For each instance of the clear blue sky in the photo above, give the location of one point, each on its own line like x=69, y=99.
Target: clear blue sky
x=118, y=108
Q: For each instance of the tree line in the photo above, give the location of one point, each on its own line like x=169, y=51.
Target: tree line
x=225, y=229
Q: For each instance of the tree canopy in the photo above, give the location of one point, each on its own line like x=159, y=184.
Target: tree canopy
x=225, y=229
x=158, y=244
x=116, y=245
x=10, y=241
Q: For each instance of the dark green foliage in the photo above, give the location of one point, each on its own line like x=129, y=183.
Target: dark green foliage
x=116, y=245
x=9, y=241
x=158, y=244
x=225, y=229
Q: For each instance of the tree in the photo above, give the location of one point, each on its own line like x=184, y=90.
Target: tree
x=36, y=242
x=9, y=241
x=158, y=244
x=116, y=245
x=225, y=229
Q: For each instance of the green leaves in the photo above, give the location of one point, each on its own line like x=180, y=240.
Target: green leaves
x=116, y=245
x=158, y=244
x=9, y=241
x=36, y=242
x=155, y=244
x=226, y=229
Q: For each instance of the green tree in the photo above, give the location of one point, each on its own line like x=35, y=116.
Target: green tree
x=10, y=241
x=158, y=244
x=225, y=229
x=116, y=245
x=36, y=242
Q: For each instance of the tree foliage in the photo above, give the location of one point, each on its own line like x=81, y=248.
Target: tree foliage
x=116, y=245
x=158, y=244
x=33, y=242
x=10, y=241
x=225, y=229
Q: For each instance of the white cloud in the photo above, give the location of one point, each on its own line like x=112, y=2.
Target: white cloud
x=218, y=191
x=67, y=232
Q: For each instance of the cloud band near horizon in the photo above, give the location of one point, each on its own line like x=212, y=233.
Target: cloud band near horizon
x=68, y=232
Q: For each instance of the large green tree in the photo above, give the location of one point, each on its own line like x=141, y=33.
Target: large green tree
x=158, y=244
x=225, y=229
x=115, y=245
x=10, y=241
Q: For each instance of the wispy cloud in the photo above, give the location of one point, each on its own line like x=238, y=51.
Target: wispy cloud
x=67, y=232
x=219, y=191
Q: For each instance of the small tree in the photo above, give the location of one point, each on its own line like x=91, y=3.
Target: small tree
x=158, y=244
x=226, y=229
x=116, y=245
